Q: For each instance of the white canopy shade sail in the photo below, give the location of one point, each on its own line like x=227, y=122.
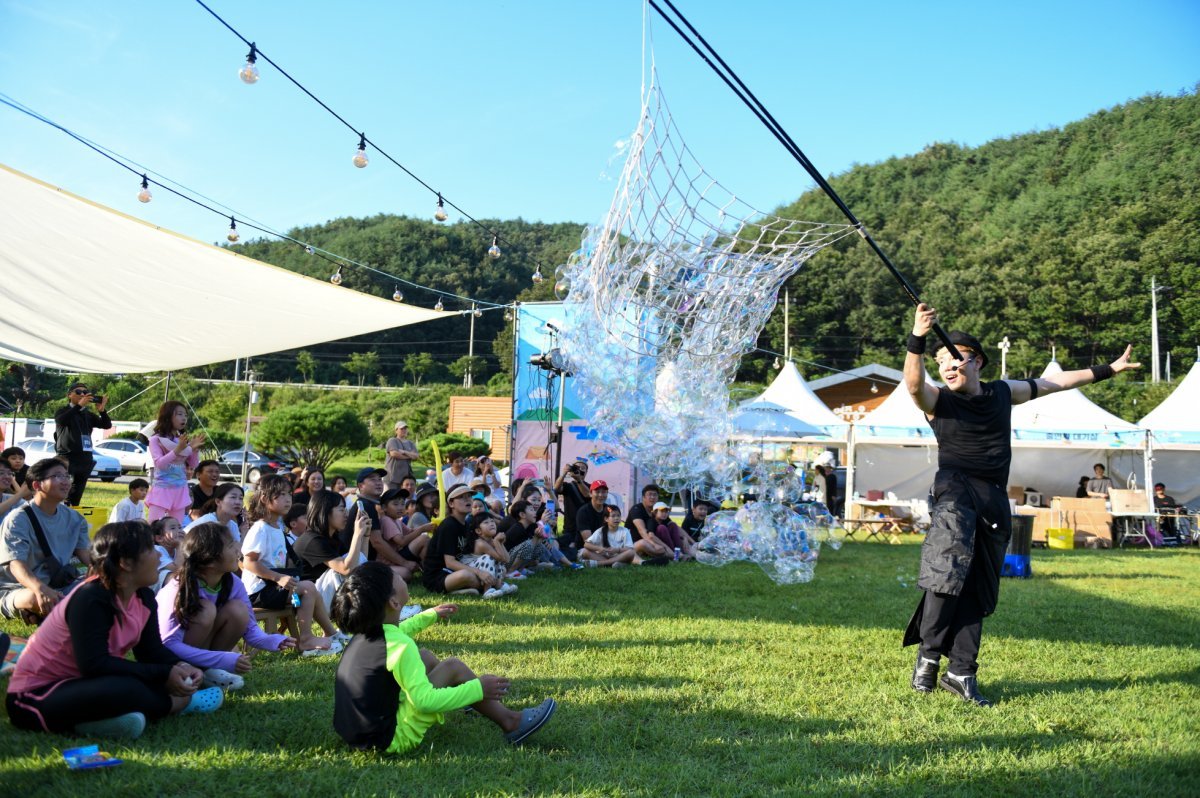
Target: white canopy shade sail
x=89, y=289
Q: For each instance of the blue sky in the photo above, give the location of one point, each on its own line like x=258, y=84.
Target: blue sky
x=513, y=108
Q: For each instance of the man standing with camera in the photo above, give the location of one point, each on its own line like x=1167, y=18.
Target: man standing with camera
x=73, y=435
x=572, y=486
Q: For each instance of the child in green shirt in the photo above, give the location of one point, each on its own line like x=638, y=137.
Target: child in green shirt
x=388, y=691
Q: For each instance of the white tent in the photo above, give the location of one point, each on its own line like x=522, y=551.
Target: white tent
x=1175, y=437
x=88, y=289
x=892, y=448
x=789, y=390
x=1070, y=416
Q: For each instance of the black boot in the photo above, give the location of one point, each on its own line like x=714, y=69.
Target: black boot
x=925, y=672
x=965, y=687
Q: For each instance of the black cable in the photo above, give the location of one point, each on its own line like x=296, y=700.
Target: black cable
x=752, y=102
x=258, y=51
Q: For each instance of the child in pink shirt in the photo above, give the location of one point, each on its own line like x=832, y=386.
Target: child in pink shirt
x=175, y=455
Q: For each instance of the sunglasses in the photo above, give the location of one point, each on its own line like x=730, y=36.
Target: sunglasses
x=81, y=391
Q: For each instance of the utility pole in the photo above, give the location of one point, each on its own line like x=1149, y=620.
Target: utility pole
x=468, y=377
x=1004, y=346
x=1154, y=289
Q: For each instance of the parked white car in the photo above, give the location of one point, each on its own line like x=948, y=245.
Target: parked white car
x=107, y=468
x=132, y=455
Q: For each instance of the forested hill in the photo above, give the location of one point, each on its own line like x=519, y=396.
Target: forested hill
x=1050, y=238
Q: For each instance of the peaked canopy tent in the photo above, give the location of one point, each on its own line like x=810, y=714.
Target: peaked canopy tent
x=790, y=391
x=1174, y=428
x=1056, y=439
x=89, y=289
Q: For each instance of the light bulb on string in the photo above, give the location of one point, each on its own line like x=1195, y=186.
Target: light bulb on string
x=249, y=72
x=508, y=315
x=537, y=275
x=336, y=277
x=144, y=195
x=494, y=249
x=232, y=236
x=439, y=306
x=308, y=250
x=397, y=296
x=478, y=313
x=778, y=365
x=440, y=213
x=360, y=158
x=874, y=388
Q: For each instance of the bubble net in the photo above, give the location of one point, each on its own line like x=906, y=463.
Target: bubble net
x=665, y=297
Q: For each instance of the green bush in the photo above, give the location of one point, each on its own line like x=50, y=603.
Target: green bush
x=452, y=442
x=312, y=433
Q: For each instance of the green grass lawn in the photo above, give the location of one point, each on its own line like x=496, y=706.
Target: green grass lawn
x=693, y=680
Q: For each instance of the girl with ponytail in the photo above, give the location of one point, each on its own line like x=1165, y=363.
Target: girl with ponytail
x=204, y=611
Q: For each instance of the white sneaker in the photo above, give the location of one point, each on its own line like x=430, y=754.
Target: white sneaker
x=508, y=588
x=409, y=611
x=591, y=563
x=341, y=637
x=215, y=677
x=493, y=593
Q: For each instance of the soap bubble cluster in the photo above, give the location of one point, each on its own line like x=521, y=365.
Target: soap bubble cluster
x=785, y=543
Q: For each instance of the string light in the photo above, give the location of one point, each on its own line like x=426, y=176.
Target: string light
x=144, y=195
x=874, y=388
x=439, y=306
x=537, y=275
x=232, y=236
x=360, y=158
x=308, y=250
x=778, y=365
x=494, y=249
x=397, y=296
x=440, y=213
x=478, y=313
x=336, y=277
x=249, y=72
x=508, y=315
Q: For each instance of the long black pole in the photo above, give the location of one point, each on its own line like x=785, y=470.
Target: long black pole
x=752, y=102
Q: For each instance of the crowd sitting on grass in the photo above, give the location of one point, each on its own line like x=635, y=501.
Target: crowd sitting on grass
x=292, y=547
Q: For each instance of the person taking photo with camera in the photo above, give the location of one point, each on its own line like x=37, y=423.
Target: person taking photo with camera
x=73, y=435
x=572, y=486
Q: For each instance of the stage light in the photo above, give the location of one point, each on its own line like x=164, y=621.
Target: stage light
x=494, y=249
x=336, y=277
x=440, y=213
x=144, y=195
x=397, y=296
x=232, y=236
x=360, y=158
x=249, y=72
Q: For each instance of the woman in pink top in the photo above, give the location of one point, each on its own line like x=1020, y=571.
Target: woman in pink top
x=175, y=455
x=74, y=677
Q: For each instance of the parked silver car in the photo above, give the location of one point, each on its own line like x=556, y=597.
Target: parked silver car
x=132, y=455
x=107, y=468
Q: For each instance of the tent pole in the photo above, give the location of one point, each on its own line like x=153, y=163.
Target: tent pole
x=848, y=493
x=167, y=389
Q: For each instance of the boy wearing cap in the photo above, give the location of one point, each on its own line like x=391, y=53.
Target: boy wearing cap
x=369, y=490
x=442, y=571
x=400, y=455
x=592, y=516
x=963, y=551
x=405, y=545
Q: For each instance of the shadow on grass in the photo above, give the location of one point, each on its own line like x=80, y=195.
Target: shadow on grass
x=1009, y=689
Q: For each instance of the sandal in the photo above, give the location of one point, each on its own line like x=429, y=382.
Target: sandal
x=532, y=719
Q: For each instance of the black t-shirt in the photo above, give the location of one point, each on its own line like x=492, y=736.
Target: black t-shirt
x=451, y=537
x=693, y=525
x=365, y=693
x=347, y=536
x=314, y=550
x=199, y=497
x=517, y=533
x=974, y=432
x=639, y=511
x=572, y=500
x=589, y=519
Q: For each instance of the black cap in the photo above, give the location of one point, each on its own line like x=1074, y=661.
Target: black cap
x=960, y=338
x=393, y=494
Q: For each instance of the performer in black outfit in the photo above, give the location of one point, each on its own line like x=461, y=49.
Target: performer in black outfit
x=964, y=548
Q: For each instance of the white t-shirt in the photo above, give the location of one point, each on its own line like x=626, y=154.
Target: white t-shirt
x=619, y=539
x=165, y=558
x=268, y=542
x=450, y=480
x=127, y=510
x=211, y=518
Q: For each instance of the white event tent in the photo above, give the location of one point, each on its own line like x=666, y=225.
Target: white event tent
x=1174, y=428
x=89, y=289
x=790, y=391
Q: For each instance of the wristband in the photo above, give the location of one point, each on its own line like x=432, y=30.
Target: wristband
x=916, y=344
x=1101, y=372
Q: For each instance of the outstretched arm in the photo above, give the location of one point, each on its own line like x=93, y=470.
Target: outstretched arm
x=1022, y=391
x=924, y=394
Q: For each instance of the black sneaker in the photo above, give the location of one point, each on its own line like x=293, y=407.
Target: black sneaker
x=965, y=687
x=924, y=677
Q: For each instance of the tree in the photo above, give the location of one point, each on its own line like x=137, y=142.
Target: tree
x=452, y=442
x=306, y=364
x=362, y=365
x=465, y=364
x=313, y=433
x=418, y=365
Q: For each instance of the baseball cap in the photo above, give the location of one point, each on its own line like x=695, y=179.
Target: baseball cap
x=369, y=472
x=400, y=424
x=458, y=490
x=661, y=506
x=392, y=495
x=960, y=338
x=598, y=484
